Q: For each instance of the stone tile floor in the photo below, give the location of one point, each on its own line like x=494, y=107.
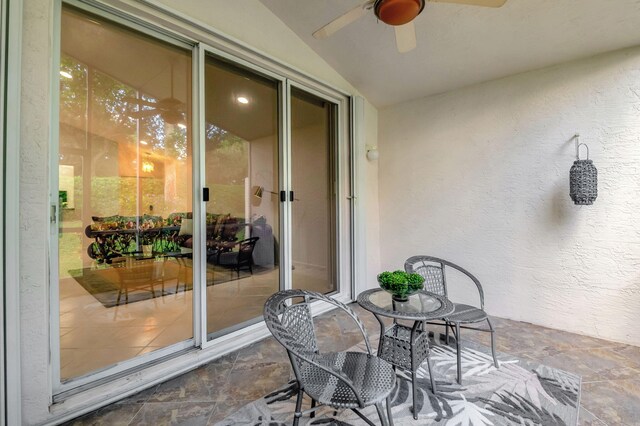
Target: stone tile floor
x=610, y=373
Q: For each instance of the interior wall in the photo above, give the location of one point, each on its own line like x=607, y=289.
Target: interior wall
x=480, y=176
x=248, y=21
x=265, y=174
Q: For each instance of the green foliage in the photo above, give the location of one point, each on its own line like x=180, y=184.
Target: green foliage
x=400, y=283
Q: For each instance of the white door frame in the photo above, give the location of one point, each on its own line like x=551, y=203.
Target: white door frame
x=11, y=37
x=153, y=14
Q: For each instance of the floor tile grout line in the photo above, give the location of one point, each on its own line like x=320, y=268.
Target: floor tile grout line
x=596, y=417
x=136, y=413
x=213, y=410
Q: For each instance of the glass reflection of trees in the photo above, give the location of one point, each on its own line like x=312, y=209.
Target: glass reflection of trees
x=111, y=110
x=95, y=119
x=97, y=105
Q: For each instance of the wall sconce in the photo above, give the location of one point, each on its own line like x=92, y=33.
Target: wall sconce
x=583, y=178
x=259, y=190
x=372, y=153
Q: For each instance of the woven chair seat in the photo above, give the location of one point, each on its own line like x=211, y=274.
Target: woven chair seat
x=466, y=314
x=372, y=377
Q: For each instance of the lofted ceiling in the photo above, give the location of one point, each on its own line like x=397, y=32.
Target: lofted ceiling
x=461, y=45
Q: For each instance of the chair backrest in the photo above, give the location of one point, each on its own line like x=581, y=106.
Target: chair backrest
x=245, y=250
x=435, y=278
x=292, y=325
x=431, y=270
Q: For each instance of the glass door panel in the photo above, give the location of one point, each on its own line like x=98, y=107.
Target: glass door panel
x=243, y=214
x=313, y=176
x=125, y=197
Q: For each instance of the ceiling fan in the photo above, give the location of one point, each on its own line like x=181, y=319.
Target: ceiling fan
x=170, y=109
x=399, y=13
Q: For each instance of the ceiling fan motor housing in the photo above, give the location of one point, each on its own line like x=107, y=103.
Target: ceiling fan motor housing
x=398, y=12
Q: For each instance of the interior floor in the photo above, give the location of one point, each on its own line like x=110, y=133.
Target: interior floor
x=93, y=336
x=610, y=372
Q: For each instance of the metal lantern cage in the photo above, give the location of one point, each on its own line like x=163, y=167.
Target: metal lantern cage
x=583, y=178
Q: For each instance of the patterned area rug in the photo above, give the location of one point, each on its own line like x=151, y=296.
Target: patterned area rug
x=518, y=393
x=103, y=284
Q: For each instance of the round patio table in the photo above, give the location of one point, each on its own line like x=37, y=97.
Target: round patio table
x=406, y=347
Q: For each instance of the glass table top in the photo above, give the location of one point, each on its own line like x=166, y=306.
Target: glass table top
x=422, y=305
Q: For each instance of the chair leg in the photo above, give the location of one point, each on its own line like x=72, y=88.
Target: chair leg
x=453, y=330
x=493, y=344
x=446, y=333
x=458, y=353
x=414, y=392
x=383, y=419
x=298, y=413
x=433, y=382
x=119, y=296
x=313, y=405
x=389, y=410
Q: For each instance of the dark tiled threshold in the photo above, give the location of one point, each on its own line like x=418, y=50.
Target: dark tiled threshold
x=610, y=373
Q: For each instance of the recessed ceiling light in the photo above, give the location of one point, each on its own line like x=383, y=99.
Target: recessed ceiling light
x=182, y=125
x=242, y=100
x=143, y=142
x=65, y=74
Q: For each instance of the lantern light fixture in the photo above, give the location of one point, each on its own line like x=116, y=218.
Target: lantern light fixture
x=583, y=178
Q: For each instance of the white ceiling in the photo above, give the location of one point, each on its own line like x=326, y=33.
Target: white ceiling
x=461, y=45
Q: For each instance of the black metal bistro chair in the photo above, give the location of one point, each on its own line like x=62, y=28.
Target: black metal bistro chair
x=243, y=258
x=435, y=281
x=352, y=380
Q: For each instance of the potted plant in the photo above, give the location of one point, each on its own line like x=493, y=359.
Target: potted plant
x=146, y=241
x=400, y=284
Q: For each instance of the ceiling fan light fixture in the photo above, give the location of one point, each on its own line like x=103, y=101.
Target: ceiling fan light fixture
x=398, y=12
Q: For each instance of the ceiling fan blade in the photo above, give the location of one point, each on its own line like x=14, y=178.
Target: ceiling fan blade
x=406, y=37
x=136, y=115
x=483, y=3
x=139, y=101
x=341, y=21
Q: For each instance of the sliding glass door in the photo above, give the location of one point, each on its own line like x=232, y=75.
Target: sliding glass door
x=188, y=186
x=313, y=181
x=241, y=169
x=125, y=193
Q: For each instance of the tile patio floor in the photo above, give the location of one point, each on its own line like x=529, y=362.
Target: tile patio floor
x=610, y=373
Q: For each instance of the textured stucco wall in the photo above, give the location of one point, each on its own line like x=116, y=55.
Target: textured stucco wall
x=248, y=21
x=480, y=176
x=34, y=209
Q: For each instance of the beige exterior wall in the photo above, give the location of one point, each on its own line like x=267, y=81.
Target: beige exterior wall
x=480, y=176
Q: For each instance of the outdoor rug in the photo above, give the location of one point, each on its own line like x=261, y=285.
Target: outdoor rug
x=518, y=393
x=103, y=285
